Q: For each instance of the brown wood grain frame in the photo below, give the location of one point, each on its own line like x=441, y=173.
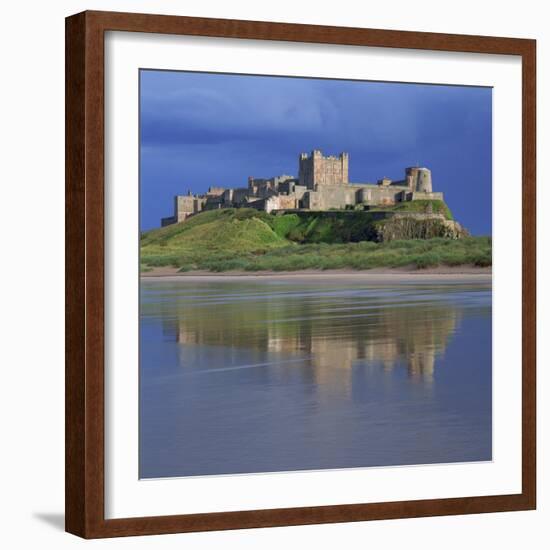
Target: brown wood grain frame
x=84, y=392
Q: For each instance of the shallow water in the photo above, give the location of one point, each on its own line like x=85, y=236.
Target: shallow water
x=276, y=375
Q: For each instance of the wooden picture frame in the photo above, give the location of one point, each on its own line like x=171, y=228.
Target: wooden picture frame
x=85, y=259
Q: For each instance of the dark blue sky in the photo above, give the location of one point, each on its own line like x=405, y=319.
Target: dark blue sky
x=200, y=130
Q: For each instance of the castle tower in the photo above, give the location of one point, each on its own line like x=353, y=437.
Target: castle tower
x=424, y=181
x=317, y=170
x=419, y=179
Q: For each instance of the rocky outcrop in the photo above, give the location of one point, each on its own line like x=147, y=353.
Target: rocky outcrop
x=418, y=227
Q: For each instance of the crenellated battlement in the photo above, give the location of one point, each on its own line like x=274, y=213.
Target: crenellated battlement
x=316, y=169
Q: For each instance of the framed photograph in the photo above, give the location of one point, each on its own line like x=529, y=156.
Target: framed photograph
x=300, y=274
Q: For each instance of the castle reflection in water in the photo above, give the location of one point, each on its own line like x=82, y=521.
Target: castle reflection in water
x=333, y=337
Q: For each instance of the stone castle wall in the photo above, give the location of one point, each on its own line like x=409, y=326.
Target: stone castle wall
x=322, y=185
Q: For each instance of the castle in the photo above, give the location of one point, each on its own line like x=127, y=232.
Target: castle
x=322, y=184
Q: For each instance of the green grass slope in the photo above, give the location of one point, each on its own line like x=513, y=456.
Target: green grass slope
x=248, y=240
x=421, y=206
x=324, y=227
x=208, y=237
x=344, y=226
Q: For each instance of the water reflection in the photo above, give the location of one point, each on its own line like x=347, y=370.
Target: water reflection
x=318, y=349
x=333, y=332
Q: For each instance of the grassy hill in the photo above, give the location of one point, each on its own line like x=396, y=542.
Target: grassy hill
x=210, y=232
x=246, y=239
x=421, y=206
x=344, y=226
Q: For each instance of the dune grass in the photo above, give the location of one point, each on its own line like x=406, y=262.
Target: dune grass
x=247, y=240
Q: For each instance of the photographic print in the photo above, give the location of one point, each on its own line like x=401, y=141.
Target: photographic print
x=315, y=274
x=280, y=300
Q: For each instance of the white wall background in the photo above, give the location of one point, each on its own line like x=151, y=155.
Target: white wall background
x=32, y=253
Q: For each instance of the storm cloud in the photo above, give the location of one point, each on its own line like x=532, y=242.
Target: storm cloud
x=202, y=129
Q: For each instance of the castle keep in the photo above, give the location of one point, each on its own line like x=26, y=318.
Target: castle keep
x=317, y=170
x=322, y=184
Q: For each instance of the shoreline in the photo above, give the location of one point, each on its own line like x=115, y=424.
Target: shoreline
x=467, y=273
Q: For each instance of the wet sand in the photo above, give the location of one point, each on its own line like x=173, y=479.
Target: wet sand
x=463, y=272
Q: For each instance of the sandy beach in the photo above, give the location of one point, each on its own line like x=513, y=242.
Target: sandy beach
x=441, y=273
